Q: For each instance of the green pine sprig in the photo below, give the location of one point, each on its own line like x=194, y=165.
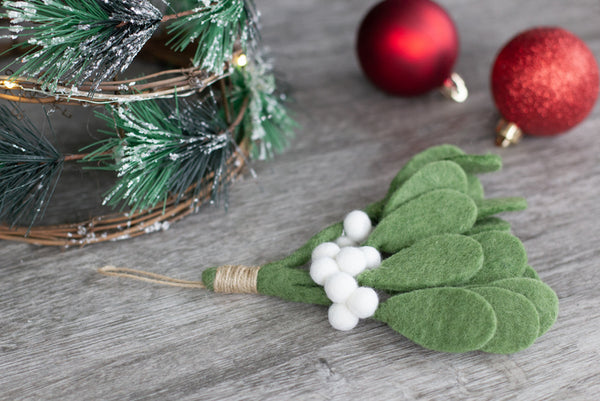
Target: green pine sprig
x=179, y=6
x=77, y=40
x=164, y=150
x=29, y=169
x=216, y=27
x=267, y=123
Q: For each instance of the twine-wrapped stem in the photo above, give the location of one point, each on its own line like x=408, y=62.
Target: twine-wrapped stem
x=291, y=284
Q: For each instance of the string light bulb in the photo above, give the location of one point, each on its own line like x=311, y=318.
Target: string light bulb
x=9, y=84
x=242, y=60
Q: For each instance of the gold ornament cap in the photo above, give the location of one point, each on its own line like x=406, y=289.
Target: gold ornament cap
x=507, y=134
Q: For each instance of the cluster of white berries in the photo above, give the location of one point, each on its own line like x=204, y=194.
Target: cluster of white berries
x=334, y=266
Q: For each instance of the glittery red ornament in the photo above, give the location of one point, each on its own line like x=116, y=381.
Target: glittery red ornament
x=407, y=47
x=545, y=80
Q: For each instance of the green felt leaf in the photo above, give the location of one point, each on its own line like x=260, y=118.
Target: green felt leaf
x=442, y=319
x=517, y=320
x=302, y=255
x=435, y=175
x=489, y=224
x=442, y=260
x=294, y=285
x=474, y=187
x=539, y=294
x=443, y=211
x=530, y=272
x=504, y=257
x=421, y=159
x=375, y=210
x=489, y=207
x=478, y=164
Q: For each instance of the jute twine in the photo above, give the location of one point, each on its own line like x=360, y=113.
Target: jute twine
x=230, y=279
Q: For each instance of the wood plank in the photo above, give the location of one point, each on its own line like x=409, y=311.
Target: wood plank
x=69, y=333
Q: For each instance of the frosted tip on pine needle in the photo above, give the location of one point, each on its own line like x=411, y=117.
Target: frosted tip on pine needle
x=74, y=41
x=217, y=27
x=168, y=147
x=267, y=124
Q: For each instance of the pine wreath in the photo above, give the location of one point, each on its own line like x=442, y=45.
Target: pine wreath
x=174, y=138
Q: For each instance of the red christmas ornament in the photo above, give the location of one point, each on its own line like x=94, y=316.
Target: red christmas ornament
x=408, y=47
x=544, y=81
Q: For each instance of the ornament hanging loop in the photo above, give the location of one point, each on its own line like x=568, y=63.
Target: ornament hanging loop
x=507, y=134
x=454, y=88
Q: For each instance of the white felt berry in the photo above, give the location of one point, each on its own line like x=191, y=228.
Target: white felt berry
x=326, y=249
x=363, y=302
x=323, y=268
x=357, y=226
x=340, y=286
x=351, y=260
x=344, y=242
x=372, y=256
x=341, y=318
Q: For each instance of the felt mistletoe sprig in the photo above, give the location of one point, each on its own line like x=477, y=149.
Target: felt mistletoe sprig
x=430, y=259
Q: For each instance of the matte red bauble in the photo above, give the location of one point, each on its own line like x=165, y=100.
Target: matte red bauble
x=545, y=81
x=407, y=47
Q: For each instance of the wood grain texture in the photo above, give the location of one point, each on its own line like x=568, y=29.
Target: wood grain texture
x=69, y=333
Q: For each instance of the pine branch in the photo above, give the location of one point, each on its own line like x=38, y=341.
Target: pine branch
x=185, y=5
x=267, y=124
x=29, y=170
x=78, y=40
x=165, y=151
x=216, y=27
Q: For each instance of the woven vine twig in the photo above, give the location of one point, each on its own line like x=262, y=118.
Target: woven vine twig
x=165, y=84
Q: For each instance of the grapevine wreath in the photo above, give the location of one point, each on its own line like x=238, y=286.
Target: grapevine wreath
x=174, y=138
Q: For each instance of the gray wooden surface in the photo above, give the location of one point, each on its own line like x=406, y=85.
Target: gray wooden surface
x=68, y=333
